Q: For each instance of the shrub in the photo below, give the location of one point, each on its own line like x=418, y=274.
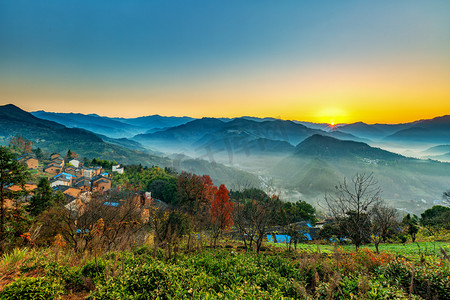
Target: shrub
x=94, y=269
x=31, y=288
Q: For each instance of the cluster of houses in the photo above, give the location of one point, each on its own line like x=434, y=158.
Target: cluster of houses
x=78, y=183
x=72, y=177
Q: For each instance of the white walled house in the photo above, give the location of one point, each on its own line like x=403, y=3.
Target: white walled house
x=117, y=169
x=75, y=163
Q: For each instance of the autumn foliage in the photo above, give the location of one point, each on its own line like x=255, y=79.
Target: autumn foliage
x=221, y=212
x=222, y=209
x=20, y=144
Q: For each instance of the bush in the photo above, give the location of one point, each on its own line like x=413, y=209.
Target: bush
x=94, y=269
x=31, y=288
x=431, y=279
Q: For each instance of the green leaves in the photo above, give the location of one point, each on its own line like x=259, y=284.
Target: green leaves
x=31, y=288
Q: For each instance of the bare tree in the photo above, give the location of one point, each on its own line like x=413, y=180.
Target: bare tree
x=351, y=205
x=253, y=213
x=111, y=221
x=384, y=219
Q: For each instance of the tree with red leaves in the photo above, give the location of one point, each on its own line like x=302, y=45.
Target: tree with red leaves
x=221, y=212
x=21, y=145
x=195, y=194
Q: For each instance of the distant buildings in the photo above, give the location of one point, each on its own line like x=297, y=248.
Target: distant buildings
x=76, y=176
x=117, y=169
x=75, y=163
x=30, y=162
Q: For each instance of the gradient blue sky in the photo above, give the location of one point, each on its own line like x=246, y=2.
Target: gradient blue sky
x=383, y=61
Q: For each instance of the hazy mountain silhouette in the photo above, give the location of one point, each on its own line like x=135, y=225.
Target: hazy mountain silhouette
x=91, y=122
x=373, y=131
x=54, y=137
x=321, y=162
x=433, y=131
x=436, y=150
x=155, y=121
x=112, y=127
x=208, y=131
x=332, y=148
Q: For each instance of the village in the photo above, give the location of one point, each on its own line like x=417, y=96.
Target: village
x=69, y=176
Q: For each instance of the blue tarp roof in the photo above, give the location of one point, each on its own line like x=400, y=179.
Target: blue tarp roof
x=65, y=174
x=282, y=238
x=113, y=204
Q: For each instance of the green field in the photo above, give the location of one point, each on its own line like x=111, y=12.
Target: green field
x=409, y=249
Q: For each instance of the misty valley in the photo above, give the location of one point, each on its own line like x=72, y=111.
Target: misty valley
x=298, y=160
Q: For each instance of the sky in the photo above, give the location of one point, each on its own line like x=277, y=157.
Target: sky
x=321, y=61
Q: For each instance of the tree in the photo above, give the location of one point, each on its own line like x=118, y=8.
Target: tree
x=294, y=212
x=11, y=173
x=164, y=189
x=39, y=153
x=290, y=214
x=21, y=145
x=221, y=212
x=172, y=230
x=195, y=197
x=351, y=206
x=42, y=199
x=436, y=217
x=384, y=219
x=411, y=224
x=253, y=213
x=71, y=155
x=331, y=232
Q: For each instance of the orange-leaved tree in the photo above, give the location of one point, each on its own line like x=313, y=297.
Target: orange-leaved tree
x=195, y=194
x=221, y=212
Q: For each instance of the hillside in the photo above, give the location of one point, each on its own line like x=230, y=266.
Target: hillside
x=433, y=131
x=232, y=137
x=319, y=163
x=112, y=127
x=155, y=121
x=53, y=137
x=332, y=148
x=373, y=131
x=94, y=123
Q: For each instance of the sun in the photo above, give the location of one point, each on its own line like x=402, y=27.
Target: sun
x=332, y=123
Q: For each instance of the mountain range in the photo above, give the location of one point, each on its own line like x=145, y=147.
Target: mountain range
x=299, y=159
x=320, y=162
x=54, y=137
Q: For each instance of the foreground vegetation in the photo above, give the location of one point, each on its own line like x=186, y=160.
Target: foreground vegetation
x=128, y=244
x=223, y=273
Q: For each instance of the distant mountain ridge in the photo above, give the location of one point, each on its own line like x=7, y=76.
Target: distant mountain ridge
x=320, y=162
x=329, y=147
x=288, y=154
x=112, y=127
x=53, y=137
x=209, y=132
x=436, y=130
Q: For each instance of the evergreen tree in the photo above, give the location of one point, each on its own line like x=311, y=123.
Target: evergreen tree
x=39, y=153
x=11, y=173
x=42, y=199
x=59, y=198
x=411, y=223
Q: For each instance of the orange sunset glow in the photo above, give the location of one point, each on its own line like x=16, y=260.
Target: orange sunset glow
x=343, y=68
